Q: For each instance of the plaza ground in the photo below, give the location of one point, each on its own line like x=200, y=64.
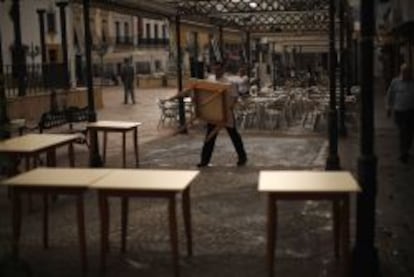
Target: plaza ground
x=228, y=213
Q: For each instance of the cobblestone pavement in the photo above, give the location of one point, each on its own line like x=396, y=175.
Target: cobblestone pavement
x=228, y=212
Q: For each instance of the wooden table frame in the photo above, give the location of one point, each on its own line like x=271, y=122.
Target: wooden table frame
x=95, y=127
x=333, y=186
x=54, y=181
x=104, y=194
x=50, y=151
x=45, y=191
x=340, y=209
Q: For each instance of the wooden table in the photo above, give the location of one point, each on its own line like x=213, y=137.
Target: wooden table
x=145, y=183
x=65, y=181
x=335, y=186
x=32, y=145
x=115, y=127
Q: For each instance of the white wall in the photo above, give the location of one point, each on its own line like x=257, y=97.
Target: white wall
x=30, y=26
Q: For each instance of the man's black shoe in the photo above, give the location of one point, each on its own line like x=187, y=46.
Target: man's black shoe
x=202, y=164
x=242, y=162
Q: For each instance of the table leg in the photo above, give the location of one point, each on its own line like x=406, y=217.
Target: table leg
x=123, y=150
x=16, y=217
x=51, y=157
x=136, y=147
x=105, y=139
x=345, y=235
x=71, y=155
x=51, y=162
x=124, y=222
x=187, y=220
x=45, y=221
x=104, y=215
x=81, y=231
x=173, y=234
x=336, y=208
x=28, y=167
x=271, y=233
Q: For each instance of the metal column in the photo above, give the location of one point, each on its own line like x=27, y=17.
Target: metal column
x=62, y=6
x=19, y=56
x=181, y=108
x=332, y=162
x=365, y=258
x=342, y=109
x=95, y=159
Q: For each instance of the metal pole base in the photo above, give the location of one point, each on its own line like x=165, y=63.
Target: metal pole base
x=365, y=262
x=332, y=163
x=342, y=131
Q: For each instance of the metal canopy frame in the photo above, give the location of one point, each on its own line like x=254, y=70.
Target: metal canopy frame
x=260, y=16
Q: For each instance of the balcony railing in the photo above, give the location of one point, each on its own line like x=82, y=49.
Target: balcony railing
x=153, y=42
x=136, y=42
x=38, y=78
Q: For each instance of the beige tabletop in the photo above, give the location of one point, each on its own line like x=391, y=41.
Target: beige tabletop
x=146, y=179
x=113, y=124
x=34, y=142
x=57, y=177
x=307, y=181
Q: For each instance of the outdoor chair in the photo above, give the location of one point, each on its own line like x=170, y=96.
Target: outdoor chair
x=168, y=110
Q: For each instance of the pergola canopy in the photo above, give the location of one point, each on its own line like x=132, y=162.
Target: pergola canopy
x=254, y=16
x=260, y=16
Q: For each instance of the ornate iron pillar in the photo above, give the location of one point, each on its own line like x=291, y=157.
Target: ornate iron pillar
x=221, y=43
x=332, y=162
x=181, y=111
x=62, y=6
x=365, y=256
x=94, y=159
x=19, y=56
x=356, y=61
x=248, y=55
x=348, y=50
x=41, y=14
x=4, y=119
x=342, y=109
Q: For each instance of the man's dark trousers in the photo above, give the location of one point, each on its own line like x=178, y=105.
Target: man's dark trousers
x=209, y=143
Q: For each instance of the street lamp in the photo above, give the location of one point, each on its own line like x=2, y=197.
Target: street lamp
x=101, y=49
x=33, y=51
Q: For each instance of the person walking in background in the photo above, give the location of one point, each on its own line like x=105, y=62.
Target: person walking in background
x=243, y=85
x=400, y=102
x=128, y=79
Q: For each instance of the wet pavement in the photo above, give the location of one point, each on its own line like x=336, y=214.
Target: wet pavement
x=228, y=213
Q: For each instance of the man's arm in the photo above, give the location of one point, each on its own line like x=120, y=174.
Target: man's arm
x=186, y=92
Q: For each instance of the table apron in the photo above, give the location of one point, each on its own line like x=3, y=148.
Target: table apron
x=137, y=193
x=308, y=196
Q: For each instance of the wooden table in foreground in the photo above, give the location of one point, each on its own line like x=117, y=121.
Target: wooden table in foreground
x=32, y=145
x=145, y=183
x=335, y=186
x=64, y=181
x=115, y=127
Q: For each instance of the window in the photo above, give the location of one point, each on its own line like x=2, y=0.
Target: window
x=164, y=31
x=117, y=32
x=143, y=67
x=155, y=31
x=51, y=22
x=157, y=64
x=147, y=30
x=126, y=32
x=103, y=34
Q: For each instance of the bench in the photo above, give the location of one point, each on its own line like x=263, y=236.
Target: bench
x=71, y=115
